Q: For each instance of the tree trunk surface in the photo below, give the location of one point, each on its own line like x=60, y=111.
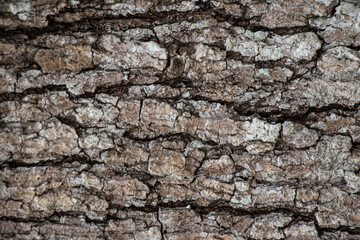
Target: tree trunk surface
x=180, y=119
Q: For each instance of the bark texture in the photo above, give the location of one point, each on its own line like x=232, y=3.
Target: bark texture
x=170, y=119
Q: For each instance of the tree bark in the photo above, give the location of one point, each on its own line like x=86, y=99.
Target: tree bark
x=202, y=119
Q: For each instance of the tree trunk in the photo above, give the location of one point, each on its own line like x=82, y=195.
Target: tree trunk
x=199, y=119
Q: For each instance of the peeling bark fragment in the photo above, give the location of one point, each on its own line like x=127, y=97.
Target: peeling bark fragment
x=7, y=80
x=12, y=54
x=120, y=54
x=158, y=116
x=273, y=197
x=213, y=190
x=269, y=226
x=71, y=58
x=168, y=163
x=340, y=63
x=28, y=13
x=222, y=168
x=341, y=28
x=297, y=47
x=126, y=192
x=260, y=136
x=86, y=82
x=302, y=230
x=298, y=135
x=62, y=138
x=282, y=13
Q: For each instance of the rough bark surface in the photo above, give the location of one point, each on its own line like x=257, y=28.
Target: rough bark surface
x=175, y=119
